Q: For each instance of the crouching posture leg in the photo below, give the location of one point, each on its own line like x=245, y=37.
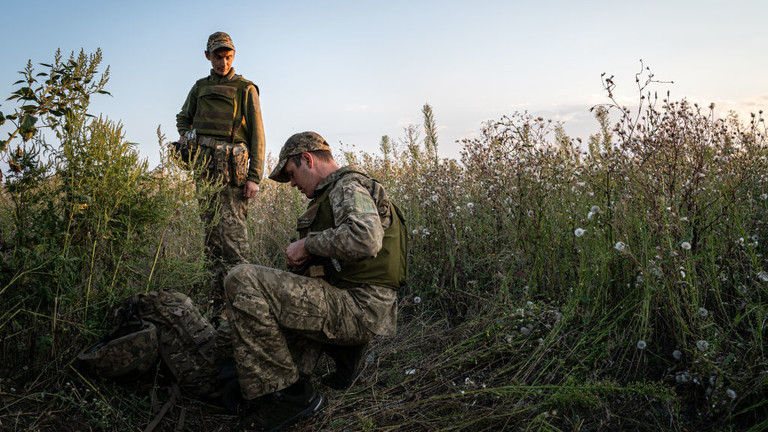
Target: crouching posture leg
x=280, y=322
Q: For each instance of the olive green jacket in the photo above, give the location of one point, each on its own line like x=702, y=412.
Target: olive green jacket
x=251, y=133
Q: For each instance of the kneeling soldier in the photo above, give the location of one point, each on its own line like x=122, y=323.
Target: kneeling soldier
x=353, y=240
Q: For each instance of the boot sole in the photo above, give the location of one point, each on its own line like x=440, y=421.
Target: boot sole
x=310, y=410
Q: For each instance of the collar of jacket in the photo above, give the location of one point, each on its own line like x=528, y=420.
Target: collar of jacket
x=216, y=77
x=332, y=177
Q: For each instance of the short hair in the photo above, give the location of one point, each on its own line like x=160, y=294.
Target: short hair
x=322, y=155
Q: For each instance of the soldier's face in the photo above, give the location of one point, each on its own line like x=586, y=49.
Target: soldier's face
x=221, y=60
x=302, y=177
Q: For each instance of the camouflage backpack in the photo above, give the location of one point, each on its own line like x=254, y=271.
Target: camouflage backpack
x=130, y=350
x=188, y=343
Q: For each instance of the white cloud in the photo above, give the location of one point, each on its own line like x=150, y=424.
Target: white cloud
x=357, y=108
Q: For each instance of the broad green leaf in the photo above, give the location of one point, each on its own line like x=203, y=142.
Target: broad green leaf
x=28, y=121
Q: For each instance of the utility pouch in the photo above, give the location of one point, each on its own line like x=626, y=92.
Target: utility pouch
x=238, y=164
x=221, y=155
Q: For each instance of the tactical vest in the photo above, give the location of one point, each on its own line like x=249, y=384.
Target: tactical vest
x=389, y=267
x=219, y=111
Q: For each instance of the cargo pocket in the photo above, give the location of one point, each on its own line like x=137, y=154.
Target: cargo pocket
x=239, y=164
x=303, y=306
x=221, y=155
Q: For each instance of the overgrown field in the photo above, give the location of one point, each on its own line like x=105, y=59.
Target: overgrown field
x=619, y=283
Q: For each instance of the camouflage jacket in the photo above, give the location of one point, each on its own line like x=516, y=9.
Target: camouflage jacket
x=358, y=234
x=253, y=130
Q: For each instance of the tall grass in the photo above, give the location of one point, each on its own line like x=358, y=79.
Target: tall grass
x=646, y=243
x=615, y=283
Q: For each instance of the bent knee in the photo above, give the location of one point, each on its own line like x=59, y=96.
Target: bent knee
x=236, y=280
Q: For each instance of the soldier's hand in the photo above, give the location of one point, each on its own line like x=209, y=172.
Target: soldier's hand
x=249, y=189
x=296, y=254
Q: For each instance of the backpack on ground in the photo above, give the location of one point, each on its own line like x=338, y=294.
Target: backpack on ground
x=187, y=342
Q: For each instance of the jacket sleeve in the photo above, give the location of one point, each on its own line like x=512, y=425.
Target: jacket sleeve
x=186, y=116
x=255, y=130
x=358, y=233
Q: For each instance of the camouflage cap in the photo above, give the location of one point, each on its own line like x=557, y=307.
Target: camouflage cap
x=297, y=144
x=219, y=40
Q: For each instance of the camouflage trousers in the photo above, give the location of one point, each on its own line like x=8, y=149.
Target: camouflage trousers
x=226, y=242
x=280, y=322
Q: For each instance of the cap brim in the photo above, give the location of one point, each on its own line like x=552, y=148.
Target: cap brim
x=277, y=174
x=215, y=47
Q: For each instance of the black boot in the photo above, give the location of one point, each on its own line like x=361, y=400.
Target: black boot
x=348, y=360
x=278, y=410
x=229, y=387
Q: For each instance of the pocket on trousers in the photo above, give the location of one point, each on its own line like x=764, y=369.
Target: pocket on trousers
x=221, y=154
x=303, y=306
x=239, y=165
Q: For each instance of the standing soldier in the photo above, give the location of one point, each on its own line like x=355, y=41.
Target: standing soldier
x=220, y=123
x=352, y=260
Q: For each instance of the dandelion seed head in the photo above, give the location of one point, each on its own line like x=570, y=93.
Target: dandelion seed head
x=702, y=345
x=416, y=300
x=578, y=232
x=415, y=232
x=470, y=205
x=703, y=312
x=590, y=215
x=677, y=355
x=685, y=245
x=620, y=246
x=731, y=394
x=763, y=275
x=641, y=344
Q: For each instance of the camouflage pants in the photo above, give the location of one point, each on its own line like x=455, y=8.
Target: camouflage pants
x=226, y=242
x=280, y=322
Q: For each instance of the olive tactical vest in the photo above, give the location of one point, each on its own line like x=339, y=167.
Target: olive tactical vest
x=389, y=267
x=219, y=108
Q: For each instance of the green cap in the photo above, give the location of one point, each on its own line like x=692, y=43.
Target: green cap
x=219, y=40
x=297, y=144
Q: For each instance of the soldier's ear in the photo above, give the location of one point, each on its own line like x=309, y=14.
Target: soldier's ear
x=207, y=55
x=309, y=159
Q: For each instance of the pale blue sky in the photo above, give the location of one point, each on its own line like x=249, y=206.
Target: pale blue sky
x=355, y=70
